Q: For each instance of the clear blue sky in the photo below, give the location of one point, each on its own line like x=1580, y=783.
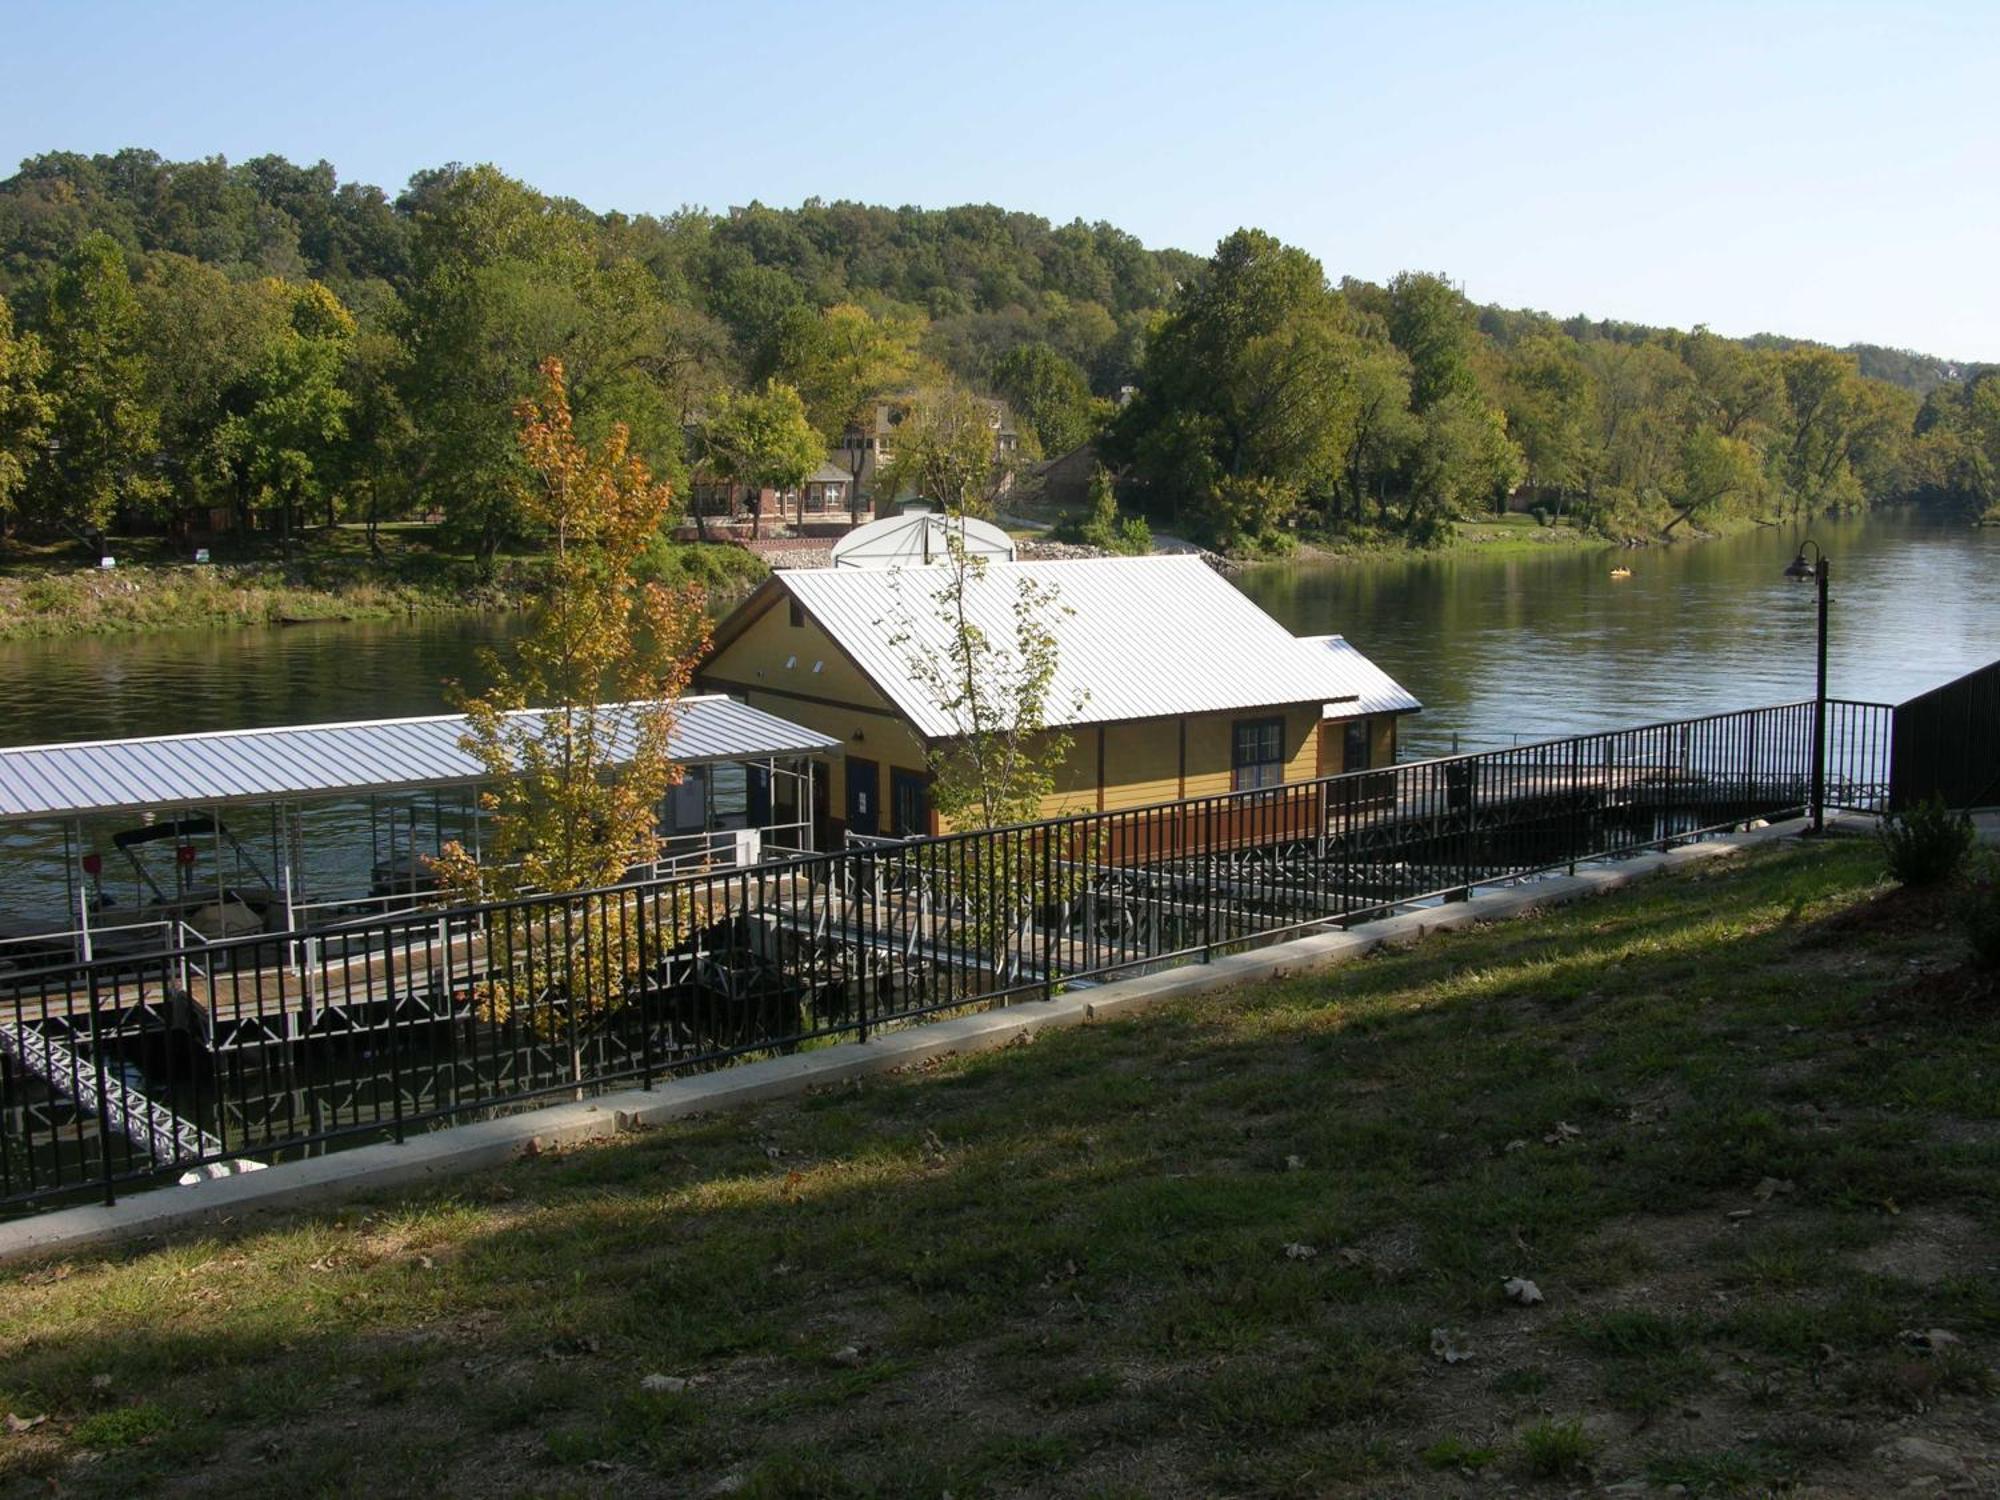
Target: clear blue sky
x=1826, y=170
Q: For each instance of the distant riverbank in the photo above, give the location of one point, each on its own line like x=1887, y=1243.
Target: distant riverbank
x=43, y=600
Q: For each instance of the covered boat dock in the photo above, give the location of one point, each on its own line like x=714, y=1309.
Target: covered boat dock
x=218, y=834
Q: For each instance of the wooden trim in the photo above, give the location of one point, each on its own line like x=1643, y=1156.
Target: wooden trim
x=1182, y=788
x=1100, y=768
x=730, y=685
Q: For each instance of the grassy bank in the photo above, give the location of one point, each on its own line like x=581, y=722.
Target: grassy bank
x=1739, y=1127
x=335, y=576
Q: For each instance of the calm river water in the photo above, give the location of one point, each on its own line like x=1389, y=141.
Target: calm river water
x=1498, y=649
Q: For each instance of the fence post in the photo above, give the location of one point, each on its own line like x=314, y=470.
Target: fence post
x=395, y=1053
x=645, y=984
x=103, y=1095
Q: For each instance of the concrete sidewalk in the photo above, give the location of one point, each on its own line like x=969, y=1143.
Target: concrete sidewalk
x=437, y=1155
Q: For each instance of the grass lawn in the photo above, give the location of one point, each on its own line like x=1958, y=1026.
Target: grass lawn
x=1740, y=1127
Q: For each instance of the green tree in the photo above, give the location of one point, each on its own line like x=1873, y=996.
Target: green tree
x=100, y=462
x=284, y=444
x=25, y=409
x=1716, y=474
x=945, y=451
x=1431, y=322
x=763, y=439
x=1548, y=402
x=1249, y=380
x=841, y=359
x=1050, y=394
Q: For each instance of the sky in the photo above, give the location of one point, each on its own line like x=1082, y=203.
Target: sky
x=1829, y=171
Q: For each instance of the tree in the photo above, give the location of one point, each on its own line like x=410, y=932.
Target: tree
x=1549, y=396
x=1715, y=472
x=763, y=439
x=502, y=277
x=1249, y=380
x=1463, y=461
x=1050, y=394
x=945, y=451
x=24, y=408
x=987, y=656
x=1431, y=322
x=840, y=359
x=103, y=431
x=575, y=731
x=285, y=441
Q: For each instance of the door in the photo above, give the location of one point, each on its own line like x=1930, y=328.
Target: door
x=909, y=804
x=864, y=812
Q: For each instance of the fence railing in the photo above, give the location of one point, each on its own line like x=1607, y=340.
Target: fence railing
x=1947, y=743
x=277, y=1045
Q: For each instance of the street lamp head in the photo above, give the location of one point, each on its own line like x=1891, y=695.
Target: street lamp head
x=1801, y=571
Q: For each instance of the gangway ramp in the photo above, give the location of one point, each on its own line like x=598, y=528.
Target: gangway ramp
x=148, y=1124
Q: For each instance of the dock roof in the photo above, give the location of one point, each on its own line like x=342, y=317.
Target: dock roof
x=1136, y=638
x=327, y=760
x=1374, y=690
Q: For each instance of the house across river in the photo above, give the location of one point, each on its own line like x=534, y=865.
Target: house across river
x=1170, y=682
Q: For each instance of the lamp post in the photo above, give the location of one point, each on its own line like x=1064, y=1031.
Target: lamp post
x=1800, y=570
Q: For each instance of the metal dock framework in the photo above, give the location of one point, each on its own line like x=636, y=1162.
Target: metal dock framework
x=271, y=1045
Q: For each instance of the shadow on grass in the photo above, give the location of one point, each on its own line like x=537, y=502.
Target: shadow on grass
x=1211, y=1241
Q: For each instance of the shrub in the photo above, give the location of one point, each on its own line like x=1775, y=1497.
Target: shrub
x=1979, y=914
x=1927, y=843
x=1556, y=1450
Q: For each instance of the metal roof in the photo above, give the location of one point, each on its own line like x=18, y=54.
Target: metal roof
x=327, y=760
x=1374, y=690
x=916, y=536
x=1136, y=637
x=830, y=472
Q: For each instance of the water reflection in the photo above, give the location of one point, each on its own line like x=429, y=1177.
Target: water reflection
x=1498, y=649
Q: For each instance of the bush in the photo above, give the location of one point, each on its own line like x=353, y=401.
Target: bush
x=1926, y=844
x=1979, y=914
x=1556, y=1450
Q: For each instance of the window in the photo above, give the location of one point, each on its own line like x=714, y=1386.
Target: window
x=1256, y=753
x=1354, y=746
x=909, y=804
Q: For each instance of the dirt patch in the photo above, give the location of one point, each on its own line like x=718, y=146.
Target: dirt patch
x=1900, y=911
x=1931, y=1245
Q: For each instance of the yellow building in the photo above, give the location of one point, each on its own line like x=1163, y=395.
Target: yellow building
x=1170, y=682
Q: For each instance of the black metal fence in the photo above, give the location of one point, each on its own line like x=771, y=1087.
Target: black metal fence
x=1947, y=743
x=122, y=1071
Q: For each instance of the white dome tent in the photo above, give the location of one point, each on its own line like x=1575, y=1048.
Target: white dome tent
x=918, y=535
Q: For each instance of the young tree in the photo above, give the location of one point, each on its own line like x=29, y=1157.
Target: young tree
x=763, y=439
x=987, y=656
x=575, y=732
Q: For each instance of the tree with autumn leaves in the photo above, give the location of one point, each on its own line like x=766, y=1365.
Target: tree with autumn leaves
x=575, y=730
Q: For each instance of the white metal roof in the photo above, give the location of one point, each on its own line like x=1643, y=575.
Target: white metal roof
x=327, y=760
x=1136, y=637
x=918, y=536
x=1374, y=690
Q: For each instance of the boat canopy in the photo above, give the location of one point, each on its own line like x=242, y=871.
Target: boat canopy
x=332, y=760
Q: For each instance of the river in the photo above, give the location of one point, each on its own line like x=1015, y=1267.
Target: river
x=1498, y=648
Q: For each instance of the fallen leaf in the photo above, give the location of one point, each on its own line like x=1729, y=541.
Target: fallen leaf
x=671, y=1384
x=1935, y=1340
x=1515, y=1145
x=18, y=1425
x=1520, y=1289
x=1294, y=1163
x=1563, y=1132
x=847, y=1357
x=1770, y=1188
x=1299, y=1252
